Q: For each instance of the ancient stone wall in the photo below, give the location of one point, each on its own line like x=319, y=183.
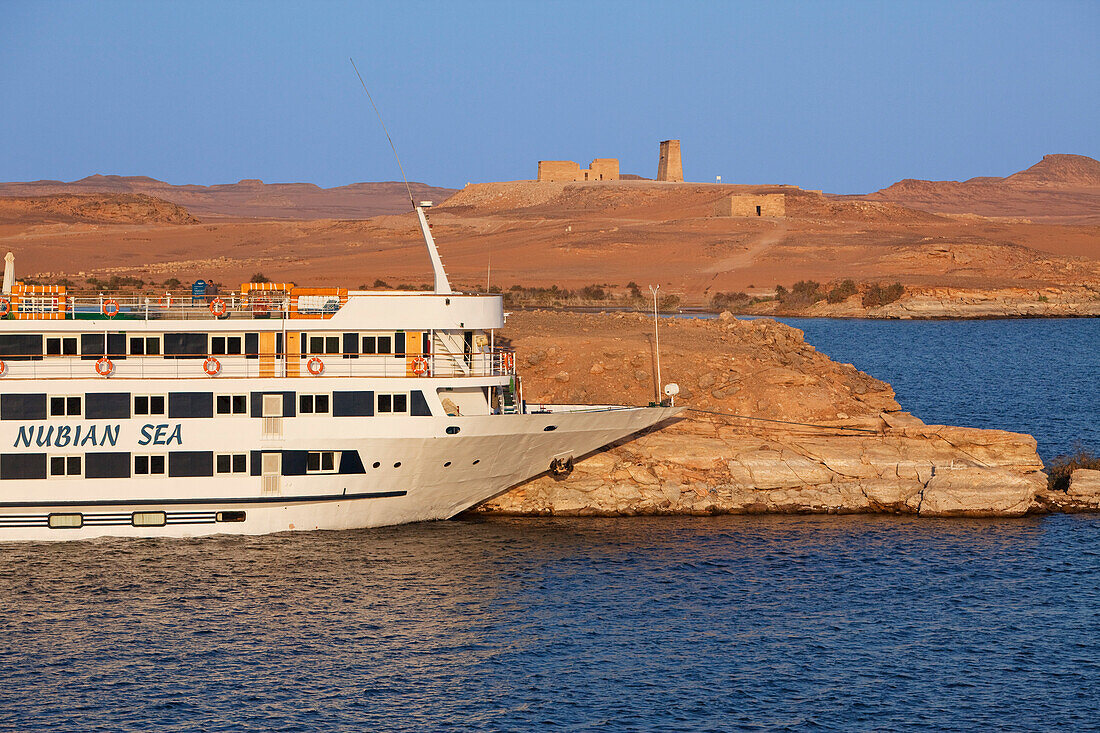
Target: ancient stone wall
x=769, y=204
x=558, y=170
x=604, y=169
x=601, y=169
x=669, y=167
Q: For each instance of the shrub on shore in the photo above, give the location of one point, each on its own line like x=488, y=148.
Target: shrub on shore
x=727, y=301
x=876, y=295
x=843, y=290
x=1062, y=467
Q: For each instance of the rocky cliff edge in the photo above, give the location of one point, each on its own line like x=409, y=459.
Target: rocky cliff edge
x=856, y=452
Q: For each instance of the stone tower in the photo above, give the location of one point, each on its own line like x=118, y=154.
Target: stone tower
x=669, y=167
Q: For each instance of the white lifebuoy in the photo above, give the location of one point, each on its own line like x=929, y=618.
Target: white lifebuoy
x=110, y=308
x=212, y=366
x=315, y=366
x=104, y=367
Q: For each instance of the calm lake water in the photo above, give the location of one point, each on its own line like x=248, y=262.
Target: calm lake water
x=1036, y=376
x=647, y=624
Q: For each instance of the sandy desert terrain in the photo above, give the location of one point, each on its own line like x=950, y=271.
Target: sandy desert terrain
x=1038, y=229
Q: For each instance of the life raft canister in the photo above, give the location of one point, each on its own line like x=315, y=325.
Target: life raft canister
x=315, y=366
x=211, y=366
x=217, y=307
x=104, y=367
x=110, y=308
x=420, y=366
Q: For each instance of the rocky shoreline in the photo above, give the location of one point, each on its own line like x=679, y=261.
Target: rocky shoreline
x=856, y=453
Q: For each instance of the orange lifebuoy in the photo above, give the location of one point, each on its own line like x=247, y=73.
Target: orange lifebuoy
x=110, y=308
x=3, y=368
x=104, y=367
x=217, y=307
x=5, y=307
x=212, y=366
x=420, y=366
x=165, y=301
x=315, y=366
x=509, y=361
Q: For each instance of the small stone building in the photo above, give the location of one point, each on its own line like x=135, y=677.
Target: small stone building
x=767, y=204
x=600, y=169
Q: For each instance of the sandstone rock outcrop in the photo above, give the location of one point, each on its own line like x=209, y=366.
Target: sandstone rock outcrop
x=1082, y=495
x=857, y=453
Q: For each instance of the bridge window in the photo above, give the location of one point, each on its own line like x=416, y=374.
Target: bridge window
x=65, y=406
x=66, y=467
x=62, y=346
x=149, y=404
x=321, y=461
x=392, y=403
x=150, y=465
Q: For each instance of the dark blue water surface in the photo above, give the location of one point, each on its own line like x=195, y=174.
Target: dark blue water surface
x=723, y=623
x=648, y=624
x=1037, y=376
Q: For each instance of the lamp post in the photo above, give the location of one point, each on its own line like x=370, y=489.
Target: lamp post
x=656, y=342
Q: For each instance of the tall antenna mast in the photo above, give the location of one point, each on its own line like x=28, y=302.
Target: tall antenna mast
x=441, y=284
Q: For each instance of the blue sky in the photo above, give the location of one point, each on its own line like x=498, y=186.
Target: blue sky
x=844, y=96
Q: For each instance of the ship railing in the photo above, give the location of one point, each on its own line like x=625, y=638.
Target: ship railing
x=497, y=362
x=176, y=307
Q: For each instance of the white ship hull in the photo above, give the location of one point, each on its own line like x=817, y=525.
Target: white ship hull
x=413, y=469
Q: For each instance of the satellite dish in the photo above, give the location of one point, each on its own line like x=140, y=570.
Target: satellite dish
x=672, y=389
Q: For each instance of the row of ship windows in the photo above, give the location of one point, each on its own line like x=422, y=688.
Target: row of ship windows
x=15, y=347
x=123, y=405
x=75, y=520
x=186, y=464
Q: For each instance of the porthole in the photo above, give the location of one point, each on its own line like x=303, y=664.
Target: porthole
x=477, y=461
x=376, y=464
x=229, y=516
x=453, y=430
x=447, y=464
x=550, y=428
x=148, y=519
x=397, y=465
x=65, y=521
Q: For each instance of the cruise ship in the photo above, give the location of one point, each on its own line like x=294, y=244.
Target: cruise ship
x=269, y=409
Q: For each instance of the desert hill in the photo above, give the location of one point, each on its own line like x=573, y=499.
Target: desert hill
x=92, y=209
x=250, y=198
x=1064, y=188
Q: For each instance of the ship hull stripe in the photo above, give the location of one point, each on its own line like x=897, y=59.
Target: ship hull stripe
x=215, y=501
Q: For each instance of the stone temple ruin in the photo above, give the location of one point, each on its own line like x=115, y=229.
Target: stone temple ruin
x=669, y=167
x=762, y=204
x=600, y=169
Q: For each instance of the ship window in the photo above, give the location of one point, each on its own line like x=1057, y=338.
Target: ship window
x=229, y=516
x=61, y=346
x=453, y=430
x=370, y=345
x=145, y=345
x=232, y=404
x=323, y=344
x=63, y=406
x=392, y=403
x=227, y=345
x=20, y=347
x=321, y=461
x=313, y=404
x=65, y=521
x=149, y=519
x=149, y=404
x=149, y=465
x=231, y=463
x=66, y=467
x=385, y=344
